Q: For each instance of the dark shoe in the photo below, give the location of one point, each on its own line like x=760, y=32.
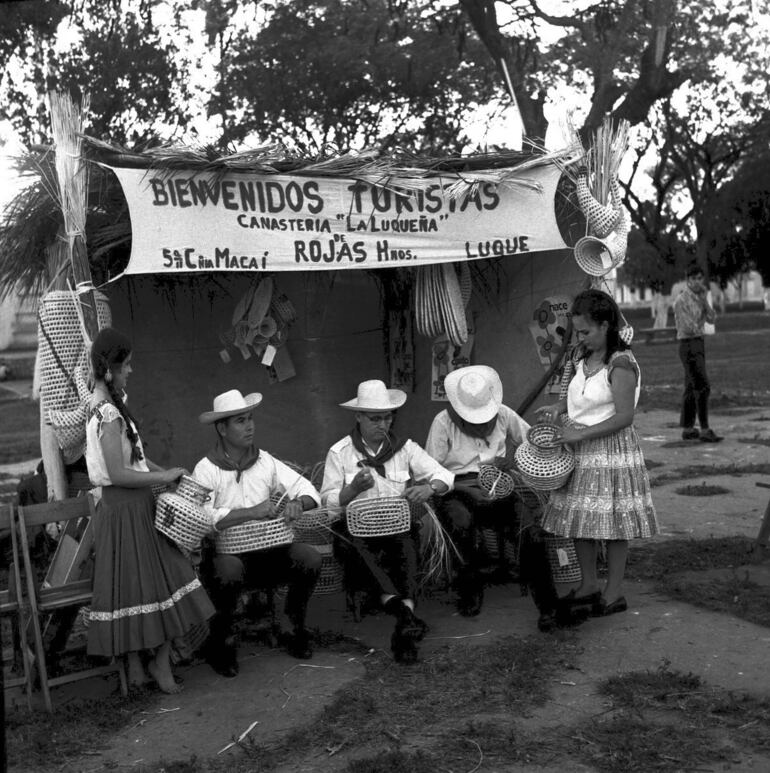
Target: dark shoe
x=410, y=625
x=546, y=622
x=470, y=605
x=579, y=601
x=690, y=433
x=404, y=649
x=709, y=436
x=602, y=609
x=300, y=646
x=222, y=659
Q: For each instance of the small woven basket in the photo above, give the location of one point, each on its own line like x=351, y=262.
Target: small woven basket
x=496, y=482
x=378, y=517
x=254, y=535
x=313, y=527
x=492, y=546
x=569, y=572
x=330, y=580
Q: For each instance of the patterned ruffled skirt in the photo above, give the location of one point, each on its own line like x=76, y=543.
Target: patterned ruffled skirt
x=608, y=495
x=145, y=591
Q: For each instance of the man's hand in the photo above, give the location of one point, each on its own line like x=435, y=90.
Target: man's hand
x=264, y=511
x=419, y=494
x=292, y=511
x=363, y=480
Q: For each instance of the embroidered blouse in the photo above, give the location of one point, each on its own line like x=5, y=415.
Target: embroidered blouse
x=97, y=468
x=589, y=397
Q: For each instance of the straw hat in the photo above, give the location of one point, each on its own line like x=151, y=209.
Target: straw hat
x=375, y=396
x=230, y=404
x=475, y=392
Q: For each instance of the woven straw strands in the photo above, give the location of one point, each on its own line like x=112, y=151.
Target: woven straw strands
x=439, y=303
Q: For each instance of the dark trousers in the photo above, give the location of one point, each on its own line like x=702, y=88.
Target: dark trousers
x=697, y=389
x=227, y=576
x=386, y=566
x=465, y=514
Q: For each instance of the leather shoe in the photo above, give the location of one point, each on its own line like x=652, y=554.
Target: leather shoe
x=470, y=605
x=578, y=601
x=602, y=609
x=709, y=436
x=223, y=660
x=690, y=433
x=300, y=646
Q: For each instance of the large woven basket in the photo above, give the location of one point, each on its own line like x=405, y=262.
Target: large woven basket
x=254, y=535
x=378, y=517
x=569, y=572
x=496, y=482
x=544, y=463
x=313, y=527
x=180, y=515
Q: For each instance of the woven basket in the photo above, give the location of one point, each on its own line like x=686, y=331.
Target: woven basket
x=313, y=526
x=378, y=517
x=543, y=463
x=569, y=572
x=180, y=515
x=254, y=535
x=330, y=580
x=496, y=482
x=492, y=546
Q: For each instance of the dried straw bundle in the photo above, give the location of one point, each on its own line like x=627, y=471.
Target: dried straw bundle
x=437, y=548
x=608, y=146
x=72, y=172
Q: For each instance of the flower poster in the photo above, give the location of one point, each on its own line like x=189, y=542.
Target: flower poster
x=548, y=328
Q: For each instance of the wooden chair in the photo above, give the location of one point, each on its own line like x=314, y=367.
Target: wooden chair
x=68, y=583
x=12, y=606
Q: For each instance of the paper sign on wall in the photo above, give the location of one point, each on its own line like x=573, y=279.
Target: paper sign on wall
x=548, y=328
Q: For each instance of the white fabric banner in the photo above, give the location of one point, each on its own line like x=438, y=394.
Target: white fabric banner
x=183, y=221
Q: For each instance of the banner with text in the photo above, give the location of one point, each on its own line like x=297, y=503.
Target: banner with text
x=183, y=221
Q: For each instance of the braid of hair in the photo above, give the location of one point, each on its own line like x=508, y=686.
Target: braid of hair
x=133, y=438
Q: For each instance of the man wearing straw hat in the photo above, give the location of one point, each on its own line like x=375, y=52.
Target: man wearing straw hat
x=372, y=463
x=476, y=429
x=242, y=477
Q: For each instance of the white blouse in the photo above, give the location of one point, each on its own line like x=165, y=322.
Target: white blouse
x=97, y=468
x=589, y=399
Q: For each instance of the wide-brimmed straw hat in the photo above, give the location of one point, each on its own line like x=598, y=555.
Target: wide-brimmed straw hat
x=230, y=404
x=475, y=392
x=375, y=396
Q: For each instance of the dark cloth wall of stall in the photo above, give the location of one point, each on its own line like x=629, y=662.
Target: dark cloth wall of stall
x=336, y=342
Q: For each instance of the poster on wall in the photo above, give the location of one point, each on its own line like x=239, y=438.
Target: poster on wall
x=184, y=221
x=548, y=328
x=446, y=357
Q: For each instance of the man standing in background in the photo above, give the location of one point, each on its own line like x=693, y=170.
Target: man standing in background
x=691, y=311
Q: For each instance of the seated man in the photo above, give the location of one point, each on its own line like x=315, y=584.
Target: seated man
x=372, y=462
x=242, y=477
x=474, y=430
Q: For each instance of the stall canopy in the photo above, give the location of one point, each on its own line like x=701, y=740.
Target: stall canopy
x=191, y=220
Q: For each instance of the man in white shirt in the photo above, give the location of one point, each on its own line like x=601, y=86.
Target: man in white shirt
x=476, y=429
x=373, y=462
x=242, y=477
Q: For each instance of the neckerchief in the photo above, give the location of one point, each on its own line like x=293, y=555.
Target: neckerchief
x=391, y=445
x=481, y=431
x=224, y=461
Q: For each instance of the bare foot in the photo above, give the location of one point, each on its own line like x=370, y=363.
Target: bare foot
x=161, y=673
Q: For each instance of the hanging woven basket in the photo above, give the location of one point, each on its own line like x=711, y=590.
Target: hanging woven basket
x=378, y=516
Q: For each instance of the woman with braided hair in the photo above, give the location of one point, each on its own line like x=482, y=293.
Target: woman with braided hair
x=146, y=592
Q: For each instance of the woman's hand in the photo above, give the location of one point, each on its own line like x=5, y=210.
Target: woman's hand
x=173, y=474
x=419, y=494
x=568, y=435
x=549, y=413
x=363, y=480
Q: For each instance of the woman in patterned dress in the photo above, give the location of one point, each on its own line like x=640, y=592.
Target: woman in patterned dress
x=146, y=592
x=608, y=495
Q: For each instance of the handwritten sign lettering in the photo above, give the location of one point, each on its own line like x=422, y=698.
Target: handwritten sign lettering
x=183, y=221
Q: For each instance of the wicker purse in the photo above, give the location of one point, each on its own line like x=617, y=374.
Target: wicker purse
x=378, y=516
x=180, y=515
